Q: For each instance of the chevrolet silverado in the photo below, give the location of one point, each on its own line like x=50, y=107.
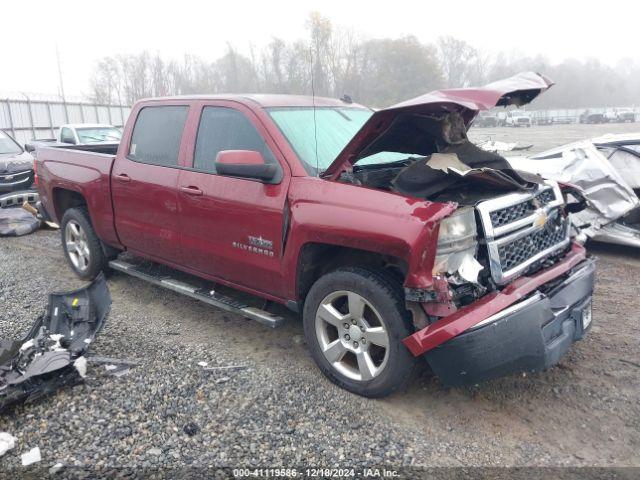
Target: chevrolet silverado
x=392, y=235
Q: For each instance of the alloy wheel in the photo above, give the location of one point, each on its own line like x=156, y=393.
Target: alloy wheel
x=352, y=335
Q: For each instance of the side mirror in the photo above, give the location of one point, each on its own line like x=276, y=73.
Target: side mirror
x=245, y=164
x=29, y=147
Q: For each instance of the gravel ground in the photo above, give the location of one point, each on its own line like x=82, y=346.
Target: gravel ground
x=168, y=412
x=280, y=411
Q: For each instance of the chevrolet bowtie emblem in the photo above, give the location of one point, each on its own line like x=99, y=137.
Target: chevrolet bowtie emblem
x=540, y=218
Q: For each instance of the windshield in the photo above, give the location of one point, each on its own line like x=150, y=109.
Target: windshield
x=334, y=127
x=8, y=145
x=98, y=134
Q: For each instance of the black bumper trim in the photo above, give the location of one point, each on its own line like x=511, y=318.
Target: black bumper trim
x=529, y=339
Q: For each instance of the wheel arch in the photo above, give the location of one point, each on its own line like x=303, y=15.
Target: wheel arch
x=64, y=199
x=317, y=259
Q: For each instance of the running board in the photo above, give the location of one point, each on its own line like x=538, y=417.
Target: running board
x=211, y=297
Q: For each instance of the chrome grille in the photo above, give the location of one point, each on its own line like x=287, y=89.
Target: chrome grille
x=521, y=229
x=521, y=210
x=519, y=251
x=16, y=178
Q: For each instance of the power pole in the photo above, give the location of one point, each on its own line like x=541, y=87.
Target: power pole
x=60, y=75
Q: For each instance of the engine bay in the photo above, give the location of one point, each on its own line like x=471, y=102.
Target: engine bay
x=441, y=163
x=508, y=223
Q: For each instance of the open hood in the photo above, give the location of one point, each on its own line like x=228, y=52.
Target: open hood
x=398, y=128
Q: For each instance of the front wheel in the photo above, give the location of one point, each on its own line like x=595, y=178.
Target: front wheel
x=354, y=322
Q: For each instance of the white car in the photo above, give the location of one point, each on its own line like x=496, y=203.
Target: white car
x=88, y=133
x=607, y=171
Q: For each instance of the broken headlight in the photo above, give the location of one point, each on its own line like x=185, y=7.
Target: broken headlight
x=457, y=246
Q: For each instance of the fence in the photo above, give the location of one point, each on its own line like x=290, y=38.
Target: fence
x=27, y=119
x=573, y=115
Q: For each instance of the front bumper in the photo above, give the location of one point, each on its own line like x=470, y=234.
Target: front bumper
x=529, y=336
x=16, y=181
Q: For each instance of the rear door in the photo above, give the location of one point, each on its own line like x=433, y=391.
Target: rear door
x=144, y=183
x=232, y=228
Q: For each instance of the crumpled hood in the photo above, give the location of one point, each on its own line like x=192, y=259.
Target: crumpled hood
x=11, y=163
x=376, y=135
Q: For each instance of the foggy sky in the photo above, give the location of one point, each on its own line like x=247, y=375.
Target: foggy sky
x=86, y=31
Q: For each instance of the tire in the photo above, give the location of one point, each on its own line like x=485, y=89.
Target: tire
x=87, y=257
x=364, y=365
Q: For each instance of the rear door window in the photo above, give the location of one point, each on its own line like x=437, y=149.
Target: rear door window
x=157, y=134
x=223, y=128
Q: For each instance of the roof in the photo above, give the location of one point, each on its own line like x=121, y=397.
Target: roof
x=267, y=100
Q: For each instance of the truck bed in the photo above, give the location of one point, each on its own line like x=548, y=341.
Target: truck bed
x=71, y=172
x=106, y=148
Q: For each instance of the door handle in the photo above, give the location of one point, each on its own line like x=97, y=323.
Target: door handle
x=123, y=177
x=191, y=190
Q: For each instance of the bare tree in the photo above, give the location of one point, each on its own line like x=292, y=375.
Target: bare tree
x=461, y=63
x=377, y=72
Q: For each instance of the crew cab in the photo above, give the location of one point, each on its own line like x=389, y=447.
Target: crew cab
x=392, y=235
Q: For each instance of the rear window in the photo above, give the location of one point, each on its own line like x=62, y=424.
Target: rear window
x=157, y=134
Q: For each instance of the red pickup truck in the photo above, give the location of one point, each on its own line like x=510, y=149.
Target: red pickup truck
x=391, y=234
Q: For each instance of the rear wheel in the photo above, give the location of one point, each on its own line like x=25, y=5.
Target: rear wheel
x=81, y=245
x=354, y=321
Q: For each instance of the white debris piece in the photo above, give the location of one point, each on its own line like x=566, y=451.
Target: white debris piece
x=81, y=366
x=56, y=468
x=56, y=337
x=470, y=268
x=121, y=372
x=203, y=364
x=7, y=442
x=497, y=146
x=109, y=368
x=32, y=456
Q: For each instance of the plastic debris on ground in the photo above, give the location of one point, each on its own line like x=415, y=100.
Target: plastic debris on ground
x=7, y=442
x=15, y=222
x=32, y=456
x=114, y=366
x=52, y=353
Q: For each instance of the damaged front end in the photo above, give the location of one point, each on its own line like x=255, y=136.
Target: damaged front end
x=501, y=242
x=52, y=354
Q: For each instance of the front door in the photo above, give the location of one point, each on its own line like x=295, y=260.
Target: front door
x=144, y=184
x=232, y=228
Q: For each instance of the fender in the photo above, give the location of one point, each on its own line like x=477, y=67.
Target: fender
x=334, y=213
